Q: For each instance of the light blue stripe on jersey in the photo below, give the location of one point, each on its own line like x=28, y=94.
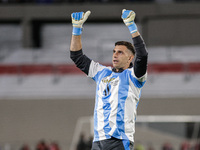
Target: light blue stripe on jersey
x=139, y=98
x=126, y=144
x=137, y=83
x=106, y=113
x=96, y=134
x=98, y=77
x=122, y=96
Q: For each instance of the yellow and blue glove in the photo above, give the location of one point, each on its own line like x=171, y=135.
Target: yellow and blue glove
x=78, y=18
x=128, y=17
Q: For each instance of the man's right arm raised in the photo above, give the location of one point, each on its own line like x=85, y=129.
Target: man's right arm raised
x=76, y=54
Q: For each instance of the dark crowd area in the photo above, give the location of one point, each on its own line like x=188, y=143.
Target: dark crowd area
x=42, y=145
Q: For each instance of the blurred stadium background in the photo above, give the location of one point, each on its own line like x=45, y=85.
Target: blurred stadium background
x=43, y=97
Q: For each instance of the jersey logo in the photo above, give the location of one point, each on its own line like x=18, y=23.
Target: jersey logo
x=107, y=80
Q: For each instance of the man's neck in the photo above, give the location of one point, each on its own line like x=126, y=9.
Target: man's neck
x=122, y=69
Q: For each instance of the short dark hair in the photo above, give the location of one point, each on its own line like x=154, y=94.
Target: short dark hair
x=128, y=45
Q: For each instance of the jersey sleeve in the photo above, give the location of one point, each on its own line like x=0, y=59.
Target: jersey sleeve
x=141, y=58
x=89, y=67
x=140, y=79
x=95, y=70
x=81, y=60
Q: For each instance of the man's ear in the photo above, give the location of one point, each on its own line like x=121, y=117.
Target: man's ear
x=131, y=57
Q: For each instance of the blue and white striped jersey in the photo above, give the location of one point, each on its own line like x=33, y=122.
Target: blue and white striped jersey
x=117, y=97
x=117, y=93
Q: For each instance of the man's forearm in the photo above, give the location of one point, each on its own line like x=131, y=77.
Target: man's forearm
x=76, y=43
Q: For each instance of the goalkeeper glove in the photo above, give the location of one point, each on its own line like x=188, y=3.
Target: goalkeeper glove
x=128, y=17
x=78, y=18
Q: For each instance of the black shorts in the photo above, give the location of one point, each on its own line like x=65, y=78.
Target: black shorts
x=113, y=144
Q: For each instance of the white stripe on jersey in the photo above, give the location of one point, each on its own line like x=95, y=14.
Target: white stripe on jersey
x=117, y=96
x=114, y=105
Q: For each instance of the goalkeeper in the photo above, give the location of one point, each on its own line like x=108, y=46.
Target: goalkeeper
x=118, y=88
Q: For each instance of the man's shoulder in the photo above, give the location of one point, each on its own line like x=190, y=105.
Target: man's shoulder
x=97, y=68
x=100, y=66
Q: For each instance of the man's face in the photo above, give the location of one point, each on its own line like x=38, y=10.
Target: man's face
x=122, y=57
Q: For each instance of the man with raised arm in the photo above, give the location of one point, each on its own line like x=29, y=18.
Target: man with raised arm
x=118, y=88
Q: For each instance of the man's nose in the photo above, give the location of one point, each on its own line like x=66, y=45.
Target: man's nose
x=115, y=55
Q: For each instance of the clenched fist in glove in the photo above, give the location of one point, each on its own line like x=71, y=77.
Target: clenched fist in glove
x=78, y=18
x=128, y=17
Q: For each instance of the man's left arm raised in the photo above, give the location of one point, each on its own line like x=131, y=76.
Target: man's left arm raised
x=140, y=64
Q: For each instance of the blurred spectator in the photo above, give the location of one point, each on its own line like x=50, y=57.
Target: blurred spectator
x=150, y=147
x=54, y=146
x=89, y=143
x=42, y=146
x=139, y=146
x=25, y=147
x=185, y=146
x=197, y=146
x=81, y=144
x=167, y=146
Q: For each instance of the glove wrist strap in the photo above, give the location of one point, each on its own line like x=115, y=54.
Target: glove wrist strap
x=132, y=28
x=77, y=31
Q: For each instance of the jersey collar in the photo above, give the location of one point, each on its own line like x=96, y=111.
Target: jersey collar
x=121, y=69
